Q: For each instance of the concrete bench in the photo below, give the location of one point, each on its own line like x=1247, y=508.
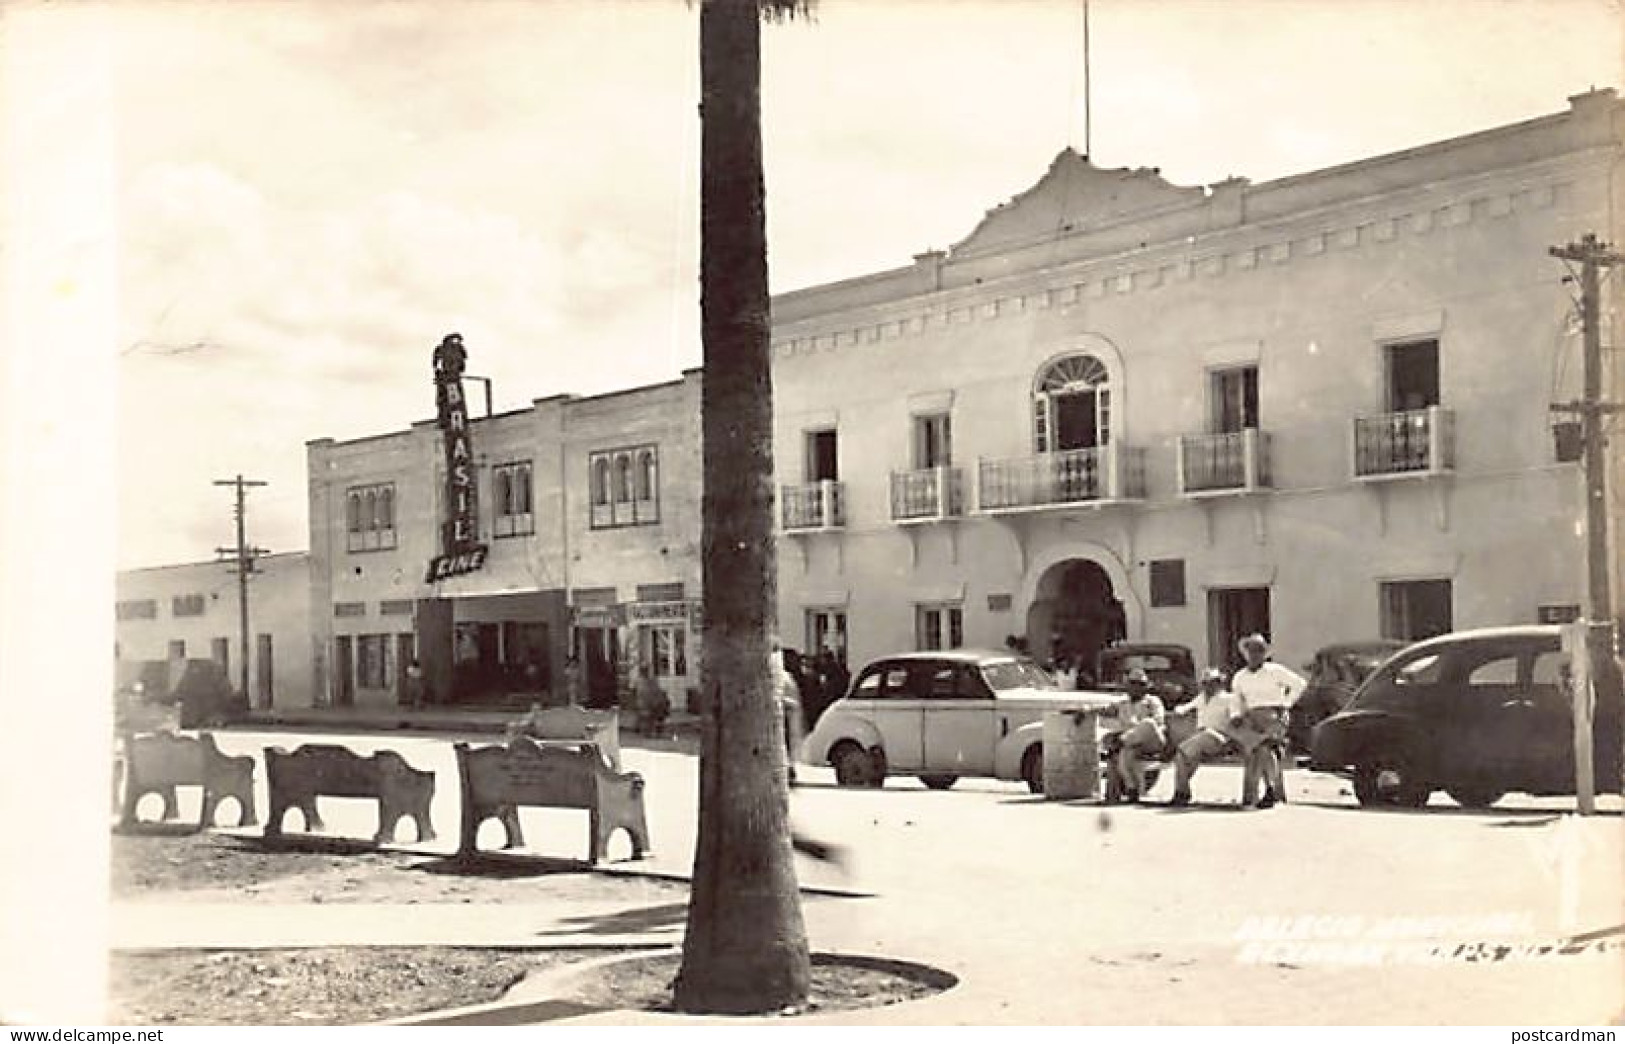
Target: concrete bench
x=497, y=780
x=158, y=762
x=326, y=770
x=577, y=724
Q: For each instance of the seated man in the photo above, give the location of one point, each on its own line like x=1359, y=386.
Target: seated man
x=1213, y=707
x=1143, y=736
x=1265, y=692
x=653, y=705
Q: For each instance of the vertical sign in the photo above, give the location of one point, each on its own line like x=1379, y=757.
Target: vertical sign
x=461, y=551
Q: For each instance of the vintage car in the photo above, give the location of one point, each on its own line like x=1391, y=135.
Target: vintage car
x=1172, y=669
x=943, y=715
x=1334, y=675
x=1476, y=714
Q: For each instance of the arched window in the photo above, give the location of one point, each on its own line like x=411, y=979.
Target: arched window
x=386, y=508
x=623, y=477
x=369, y=514
x=353, y=514
x=1072, y=405
x=600, y=481
x=646, y=475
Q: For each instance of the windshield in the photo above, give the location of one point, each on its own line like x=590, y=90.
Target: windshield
x=1159, y=666
x=1015, y=674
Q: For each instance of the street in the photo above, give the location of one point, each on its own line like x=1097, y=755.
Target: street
x=1312, y=912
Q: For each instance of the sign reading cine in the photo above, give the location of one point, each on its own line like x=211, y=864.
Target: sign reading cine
x=461, y=551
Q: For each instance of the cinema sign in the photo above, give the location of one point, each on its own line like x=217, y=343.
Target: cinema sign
x=461, y=551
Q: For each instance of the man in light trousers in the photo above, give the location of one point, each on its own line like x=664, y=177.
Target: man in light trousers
x=1265, y=692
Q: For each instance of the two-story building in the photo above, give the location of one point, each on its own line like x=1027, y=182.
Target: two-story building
x=590, y=510
x=1316, y=407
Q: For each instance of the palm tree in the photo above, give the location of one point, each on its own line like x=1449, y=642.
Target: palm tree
x=746, y=946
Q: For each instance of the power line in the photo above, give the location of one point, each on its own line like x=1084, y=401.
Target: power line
x=243, y=557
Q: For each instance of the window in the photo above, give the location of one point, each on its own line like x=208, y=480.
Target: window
x=1424, y=670
x=938, y=627
x=177, y=650
x=668, y=651
x=1072, y=405
x=220, y=652
x=896, y=683
x=1551, y=668
x=625, y=487
x=1557, y=614
x=370, y=517
x=1233, y=396
x=372, y=661
x=1501, y=671
x=826, y=629
x=822, y=456
x=1413, y=375
x=1167, y=583
x=188, y=605
x=1415, y=609
x=868, y=687
x=933, y=441
x=511, y=485
x=137, y=609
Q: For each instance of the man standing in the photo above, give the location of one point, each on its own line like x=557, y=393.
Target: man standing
x=1264, y=692
x=1214, y=706
x=789, y=698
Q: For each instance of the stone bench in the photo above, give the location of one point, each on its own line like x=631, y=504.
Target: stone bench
x=158, y=762
x=497, y=780
x=315, y=770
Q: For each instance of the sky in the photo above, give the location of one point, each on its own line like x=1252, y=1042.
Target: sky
x=308, y=196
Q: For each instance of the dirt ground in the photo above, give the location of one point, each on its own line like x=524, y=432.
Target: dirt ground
x=338, y=986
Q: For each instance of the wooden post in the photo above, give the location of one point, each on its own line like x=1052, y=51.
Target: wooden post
x=1577, y=647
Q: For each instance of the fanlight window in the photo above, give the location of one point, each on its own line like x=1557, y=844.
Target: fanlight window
x=1072, y=405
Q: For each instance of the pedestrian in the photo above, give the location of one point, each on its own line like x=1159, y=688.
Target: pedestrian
x=412, y=694
x=574, y=683
x=651, y=703
x=1144, y=737
x=1265, y=692
x=788, y=695
x=1214, y=707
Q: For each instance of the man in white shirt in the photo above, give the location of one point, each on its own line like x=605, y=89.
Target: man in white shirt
x=1265, y=693
x=1143, y=735
x=1214, y=706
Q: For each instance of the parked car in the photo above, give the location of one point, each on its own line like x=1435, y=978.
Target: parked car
x=1477, y=714
x=1334, y=676
x=1172, y=669
x=943, y=715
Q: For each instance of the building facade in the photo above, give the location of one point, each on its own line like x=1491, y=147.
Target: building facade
x=167, y=615
x=1316, y=407
x=589, y=508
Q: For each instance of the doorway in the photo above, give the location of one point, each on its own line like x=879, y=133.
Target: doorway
x=1232, y=614
x=343, y=672
x=1076, y=614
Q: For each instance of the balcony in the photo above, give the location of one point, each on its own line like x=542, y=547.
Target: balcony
x=812, y=507
x=1404, y=444
x=1227, y=462
x=927, y=494
x=1099, y=475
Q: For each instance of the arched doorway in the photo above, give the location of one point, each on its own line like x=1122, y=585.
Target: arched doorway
x=1075, y=611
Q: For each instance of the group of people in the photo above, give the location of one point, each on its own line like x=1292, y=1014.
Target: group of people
x=1249, y=714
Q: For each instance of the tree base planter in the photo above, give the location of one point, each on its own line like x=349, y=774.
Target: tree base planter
x=840, y=982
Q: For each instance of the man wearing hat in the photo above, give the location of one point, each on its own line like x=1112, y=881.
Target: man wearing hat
x=1214, y=706
x=1265, y=691
x=1143, y=735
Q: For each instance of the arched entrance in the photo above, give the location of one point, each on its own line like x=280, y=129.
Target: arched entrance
x=1075, y=611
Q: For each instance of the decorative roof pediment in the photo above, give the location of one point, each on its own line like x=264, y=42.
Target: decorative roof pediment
x=1074, y=196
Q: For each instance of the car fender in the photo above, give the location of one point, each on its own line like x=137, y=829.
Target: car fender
x=1341, y=740
x=835, y=727
x=1012, y=748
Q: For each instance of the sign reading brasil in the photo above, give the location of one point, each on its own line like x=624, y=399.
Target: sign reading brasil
x=459, y=539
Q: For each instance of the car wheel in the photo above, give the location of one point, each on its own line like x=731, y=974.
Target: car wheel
x=939, y=782
x=1389, y=781
x=1475, y=797
x=1032, y=769
x=853, y=766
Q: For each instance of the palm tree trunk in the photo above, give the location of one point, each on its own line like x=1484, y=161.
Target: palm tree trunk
x=746, y=946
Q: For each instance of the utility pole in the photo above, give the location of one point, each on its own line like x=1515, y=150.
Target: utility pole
x=1592, y=256
x=244, y=556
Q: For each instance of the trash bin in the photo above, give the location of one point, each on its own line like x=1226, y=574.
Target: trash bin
x=1071, y=755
